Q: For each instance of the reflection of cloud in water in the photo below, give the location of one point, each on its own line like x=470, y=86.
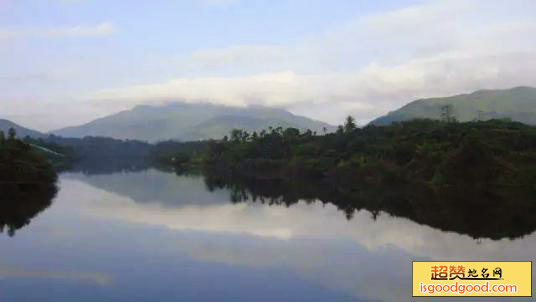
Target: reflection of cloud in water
x=97, y=278
x=362, y=255
x=332, y=263
x=315, y=221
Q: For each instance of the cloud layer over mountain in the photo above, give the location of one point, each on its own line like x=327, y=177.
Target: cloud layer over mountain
x=364, y=65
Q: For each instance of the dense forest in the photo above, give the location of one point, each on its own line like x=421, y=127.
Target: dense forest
x=94, y=154
x=477, y=178
x=181, y=155
x=21, y=164
x=27, y=182
x=496, y=152
x=437, y=153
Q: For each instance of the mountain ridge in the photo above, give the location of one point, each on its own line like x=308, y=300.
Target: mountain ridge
x=518, y=103
x=184, y=121
x=22, y=132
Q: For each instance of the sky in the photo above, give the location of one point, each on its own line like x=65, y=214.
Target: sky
x=67, y=62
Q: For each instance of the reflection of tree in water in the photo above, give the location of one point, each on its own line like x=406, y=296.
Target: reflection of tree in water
x=21, y=203
x=480, y=212
x=109, y=165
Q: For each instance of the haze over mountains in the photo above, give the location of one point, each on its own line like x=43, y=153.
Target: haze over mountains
x=188, y=122
x=517, y=103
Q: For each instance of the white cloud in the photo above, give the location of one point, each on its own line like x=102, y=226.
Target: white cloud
x=367, y=67
x=368, y=92
x=102, y=29
x=279, y=88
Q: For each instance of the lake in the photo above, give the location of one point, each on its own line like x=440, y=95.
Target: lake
x=156, y=236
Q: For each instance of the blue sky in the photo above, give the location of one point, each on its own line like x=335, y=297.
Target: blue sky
x=65, y=62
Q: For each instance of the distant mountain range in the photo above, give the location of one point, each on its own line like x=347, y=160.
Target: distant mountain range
x=518, y=104
x=187, y=122
x=22, y=132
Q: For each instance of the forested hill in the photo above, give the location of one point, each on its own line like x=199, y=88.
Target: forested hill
x=497, y=151
x=20, y=163
x=517, y=104
x=437, y=173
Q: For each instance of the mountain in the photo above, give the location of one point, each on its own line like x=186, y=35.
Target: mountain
x=186, y=122
x=21, y=131
x=518, y=104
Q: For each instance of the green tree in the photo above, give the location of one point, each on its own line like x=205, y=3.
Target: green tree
x=236, y=135
x=2, y=137
x=291, y=132
x=12, y=134
x=349, y=124
x=447, y=114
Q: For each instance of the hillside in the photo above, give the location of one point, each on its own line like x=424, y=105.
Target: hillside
x=184, y=122
x=21, y=131
x=518, y=104
x=22, y=164
x=27, y=184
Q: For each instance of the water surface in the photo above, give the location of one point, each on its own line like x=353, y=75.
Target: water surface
x=155, y=236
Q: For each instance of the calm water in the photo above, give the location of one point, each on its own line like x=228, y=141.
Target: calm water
x=156, y=236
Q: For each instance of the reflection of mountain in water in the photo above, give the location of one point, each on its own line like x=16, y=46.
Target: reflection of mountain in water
x=21, y=203
x=493, y=213
x=155, y=186
x=478, y=212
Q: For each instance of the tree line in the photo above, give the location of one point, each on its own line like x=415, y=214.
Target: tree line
x=443, y=173
x=22, y=164
x=497, y=151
